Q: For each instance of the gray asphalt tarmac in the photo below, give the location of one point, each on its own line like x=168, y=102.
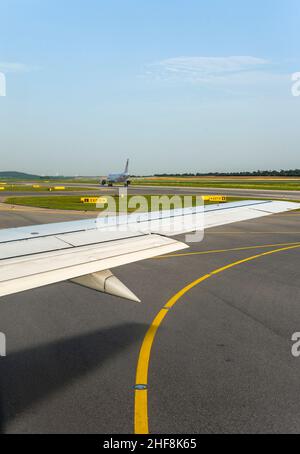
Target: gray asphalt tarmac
x=93, y=189
x=221, y=360
x=249, y=193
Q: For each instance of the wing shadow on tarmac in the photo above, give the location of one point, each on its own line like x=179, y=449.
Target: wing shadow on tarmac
x=29, y=376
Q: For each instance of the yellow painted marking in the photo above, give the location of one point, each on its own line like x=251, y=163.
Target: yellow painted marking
x=141, y=423
x=141, y=405
x=141, y=419
x=218, y=251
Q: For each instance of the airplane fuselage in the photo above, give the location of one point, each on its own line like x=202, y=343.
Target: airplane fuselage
x=115, y=178
x=122, y=177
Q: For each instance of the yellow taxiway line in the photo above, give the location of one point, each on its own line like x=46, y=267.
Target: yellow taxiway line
x=219, y=251
x=141, y=419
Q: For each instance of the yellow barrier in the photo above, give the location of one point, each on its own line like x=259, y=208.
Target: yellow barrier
x=93, y=200
x=214, y=198
x=36, y=186
x=2, y=189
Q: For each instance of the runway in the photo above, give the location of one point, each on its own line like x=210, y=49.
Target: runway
x=139, y=190
x=248, y=193
x=221, y=358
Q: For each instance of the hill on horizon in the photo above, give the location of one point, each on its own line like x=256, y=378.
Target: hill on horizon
x=14, y=174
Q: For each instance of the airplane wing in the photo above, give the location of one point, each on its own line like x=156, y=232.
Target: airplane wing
x=85, y=251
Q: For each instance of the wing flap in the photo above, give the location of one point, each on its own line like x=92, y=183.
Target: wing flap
x=29, y=247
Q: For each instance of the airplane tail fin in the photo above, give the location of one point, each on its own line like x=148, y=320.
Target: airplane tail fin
x=126, y=167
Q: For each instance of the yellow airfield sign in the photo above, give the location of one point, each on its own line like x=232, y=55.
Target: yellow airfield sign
x=93, y=200
x=214, y=198
x=57, y=188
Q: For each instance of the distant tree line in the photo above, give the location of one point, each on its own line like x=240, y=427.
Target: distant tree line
x=256, y=173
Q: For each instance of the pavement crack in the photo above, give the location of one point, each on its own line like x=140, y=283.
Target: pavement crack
x=245, y=313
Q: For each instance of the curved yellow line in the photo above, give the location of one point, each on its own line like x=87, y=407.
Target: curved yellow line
x=218, y=251
x=141, y=420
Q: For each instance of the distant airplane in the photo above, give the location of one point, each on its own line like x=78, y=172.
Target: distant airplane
x=118, y=177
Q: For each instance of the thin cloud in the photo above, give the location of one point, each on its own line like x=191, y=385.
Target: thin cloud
x=15, y=67
x=205, y=69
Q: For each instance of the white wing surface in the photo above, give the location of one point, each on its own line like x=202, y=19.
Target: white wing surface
x=85, y=251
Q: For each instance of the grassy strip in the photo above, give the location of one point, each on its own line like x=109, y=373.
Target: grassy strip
x=274, y=185
x=52, y=202
x=74, y=203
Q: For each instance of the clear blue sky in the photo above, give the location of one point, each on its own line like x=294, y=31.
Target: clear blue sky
x=175, y=85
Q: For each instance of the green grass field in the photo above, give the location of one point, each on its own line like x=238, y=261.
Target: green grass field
x=52, y=202
x=74, y=203
x=284, y=185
